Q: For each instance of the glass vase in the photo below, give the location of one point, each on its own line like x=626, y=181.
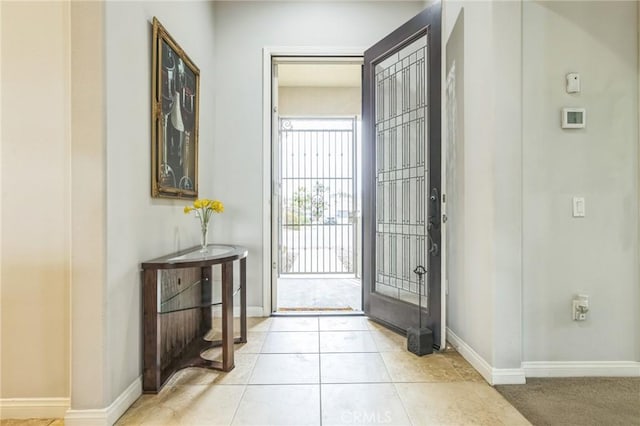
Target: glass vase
x=204, y=236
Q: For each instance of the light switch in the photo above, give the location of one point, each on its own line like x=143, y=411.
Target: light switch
x=578, y=207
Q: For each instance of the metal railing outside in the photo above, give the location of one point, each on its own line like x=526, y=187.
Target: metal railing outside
x=317, y=194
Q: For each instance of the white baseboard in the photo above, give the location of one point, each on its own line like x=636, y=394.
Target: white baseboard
x=494, y=376
x=508, y=376
x=252, y=311
x=582, y=369
x=467, y=352
x=33, y=408
x=106, y=416
x=255, y=311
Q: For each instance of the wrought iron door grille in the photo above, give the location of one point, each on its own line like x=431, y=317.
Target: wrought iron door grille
x=317, y=195
x=401, y=171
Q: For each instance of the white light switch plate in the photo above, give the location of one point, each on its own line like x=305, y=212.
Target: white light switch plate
x=579, y=209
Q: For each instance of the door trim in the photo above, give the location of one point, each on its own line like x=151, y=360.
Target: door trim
x=267, y=53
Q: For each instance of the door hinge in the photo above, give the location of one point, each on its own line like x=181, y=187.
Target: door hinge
x=444, y=218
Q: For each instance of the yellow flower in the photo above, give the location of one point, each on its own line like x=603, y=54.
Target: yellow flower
x=217, y=206
x=204, y=208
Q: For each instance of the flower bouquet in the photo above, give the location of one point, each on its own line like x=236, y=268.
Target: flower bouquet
x=204, y=208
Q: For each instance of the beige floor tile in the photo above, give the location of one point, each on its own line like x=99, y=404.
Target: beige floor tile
x=377, y=403
x=279, y=405
x=27, y=422
x=353, y=368
x=495, y=402
x=57, y=422
x=289, y=342
x=286, y=369
x=150, y=416
x=453, y=404
x=347, y=341
x=259, y=323
x=408, y=367
x=201, y=376
x=255, y=339
x=345, y=323
x=388, y=341
x=294, y=324
x=213, y=405
x=185, y=405
x=254, y=324
x=372, y=325
x=463, y=368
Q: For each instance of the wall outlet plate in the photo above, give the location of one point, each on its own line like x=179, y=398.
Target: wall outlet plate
x=580, y=307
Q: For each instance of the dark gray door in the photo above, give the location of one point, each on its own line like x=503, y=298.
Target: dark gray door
x=401, y=174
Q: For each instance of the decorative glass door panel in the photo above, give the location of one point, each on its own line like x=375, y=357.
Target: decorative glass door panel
x=401, y=170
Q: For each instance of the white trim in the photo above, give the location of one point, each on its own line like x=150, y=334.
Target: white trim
x=495, y=376
x=266, y=180
x=508, y=376
x=106, y=416
x=467, y=352
x=581, y=368
x=267, y=53
x=255, y=311
x=443, y=184
x=33, y=408
x=252, y=311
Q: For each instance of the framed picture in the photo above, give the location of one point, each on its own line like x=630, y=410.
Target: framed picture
x=174, y=107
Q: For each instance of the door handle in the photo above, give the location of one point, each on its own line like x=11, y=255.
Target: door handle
x=434, y=221
x=434, y=211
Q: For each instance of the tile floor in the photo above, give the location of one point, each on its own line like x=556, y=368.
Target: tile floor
x=319, y=293
x=329, y=371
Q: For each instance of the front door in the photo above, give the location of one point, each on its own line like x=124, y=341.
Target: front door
x=401, y=176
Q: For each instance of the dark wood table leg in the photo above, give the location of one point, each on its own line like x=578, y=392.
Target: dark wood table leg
x=206, y=312
x=151, y=369
x=227, y=316
x=243, y=300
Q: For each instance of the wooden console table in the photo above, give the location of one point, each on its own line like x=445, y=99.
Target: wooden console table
x=178, y=310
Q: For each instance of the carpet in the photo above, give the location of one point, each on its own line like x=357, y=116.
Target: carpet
x=577, y=400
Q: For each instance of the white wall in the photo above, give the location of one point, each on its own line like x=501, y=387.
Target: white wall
x=518, y=255
x=598, y=254
x=471, y=258
x=139, y=227
x=318, y=101
x=35, y=176
x=88, y=205
x=242, y=30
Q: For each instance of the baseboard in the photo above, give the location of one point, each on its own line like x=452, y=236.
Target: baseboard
x=494, y=376
x=106, y=416
x=255, y=311
x=33, y=408
x=581, y=369
x=508, y=376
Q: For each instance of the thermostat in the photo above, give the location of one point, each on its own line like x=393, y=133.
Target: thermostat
x=574, y=118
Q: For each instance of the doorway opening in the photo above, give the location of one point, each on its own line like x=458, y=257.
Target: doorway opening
x=316, y=164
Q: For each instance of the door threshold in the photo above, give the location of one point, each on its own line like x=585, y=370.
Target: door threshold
x=324, y=313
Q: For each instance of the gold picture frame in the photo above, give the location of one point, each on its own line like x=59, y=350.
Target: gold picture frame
x=174, y=119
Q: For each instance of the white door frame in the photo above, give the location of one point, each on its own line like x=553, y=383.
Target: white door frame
x=267, y=238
